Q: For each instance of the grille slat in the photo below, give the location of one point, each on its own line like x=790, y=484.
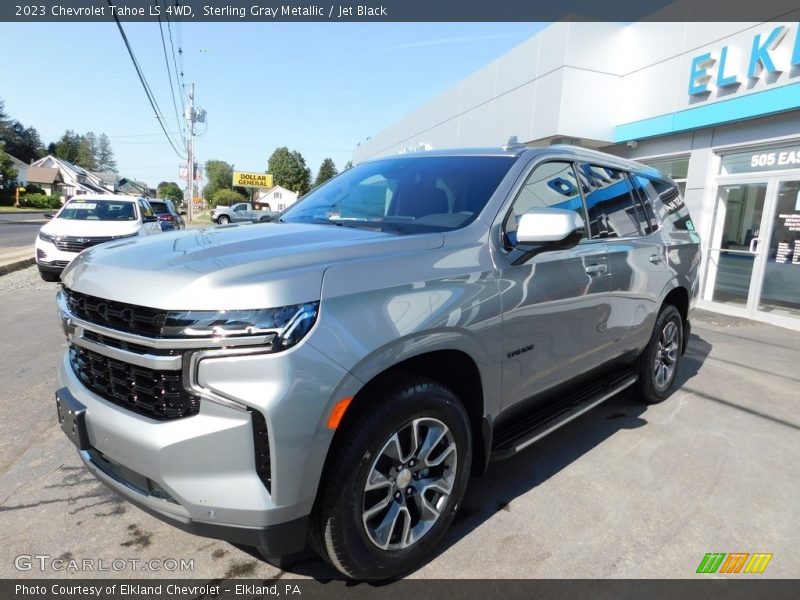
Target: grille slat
x=140, y=320
x=153, y=393
x=70, y=243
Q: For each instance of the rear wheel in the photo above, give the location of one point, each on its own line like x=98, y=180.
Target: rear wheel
x=395, y=483
x=658, y=364
x=50, y=276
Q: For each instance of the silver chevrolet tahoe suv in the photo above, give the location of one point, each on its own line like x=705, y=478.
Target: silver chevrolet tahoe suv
x=332, y=379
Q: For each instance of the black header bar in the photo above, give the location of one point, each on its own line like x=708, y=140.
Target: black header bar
x=234, y=11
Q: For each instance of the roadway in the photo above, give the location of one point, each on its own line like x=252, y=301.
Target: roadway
x=19, y=229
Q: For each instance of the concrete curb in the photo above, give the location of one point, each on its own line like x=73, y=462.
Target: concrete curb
x=16, y=258
x=16, y=265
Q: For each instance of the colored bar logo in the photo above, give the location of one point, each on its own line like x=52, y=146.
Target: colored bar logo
x=735, y=562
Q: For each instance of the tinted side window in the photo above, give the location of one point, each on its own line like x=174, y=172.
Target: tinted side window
x=647, y=196
x=610, y=202
x=145, y=209
x=550, y=185
x=667, y=202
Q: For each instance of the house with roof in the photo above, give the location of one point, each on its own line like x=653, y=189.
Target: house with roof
x=20, y=167
x=56, y=175
x=275, y=198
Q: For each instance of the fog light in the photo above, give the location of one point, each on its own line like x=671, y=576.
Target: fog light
x=41, y=254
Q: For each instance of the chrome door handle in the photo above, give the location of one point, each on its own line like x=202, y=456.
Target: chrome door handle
x=655, y=259
x=753, y=243
x=596, y=269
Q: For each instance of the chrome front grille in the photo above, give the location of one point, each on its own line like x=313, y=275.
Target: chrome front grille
x=70, y=243
x=119, y=352
x=155, y=393
x=140, y=320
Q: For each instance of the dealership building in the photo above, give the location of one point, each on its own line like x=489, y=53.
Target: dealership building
x=716, y=106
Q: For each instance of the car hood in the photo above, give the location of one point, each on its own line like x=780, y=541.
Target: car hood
x=236, y=267
x=74, y=227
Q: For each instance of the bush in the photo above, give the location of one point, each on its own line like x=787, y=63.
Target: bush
x=32, y=188
x=40, y=201
x=225, y=197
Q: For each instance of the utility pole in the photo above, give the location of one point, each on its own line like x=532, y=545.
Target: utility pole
x=190, y=116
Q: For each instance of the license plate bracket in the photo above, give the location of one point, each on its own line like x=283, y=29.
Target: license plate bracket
x=72, y=418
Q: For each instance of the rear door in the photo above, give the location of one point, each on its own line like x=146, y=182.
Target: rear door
x=637, y=258
x=555, y=305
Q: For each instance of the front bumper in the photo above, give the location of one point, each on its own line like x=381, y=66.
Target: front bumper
x=206, y=463
x=50, y=259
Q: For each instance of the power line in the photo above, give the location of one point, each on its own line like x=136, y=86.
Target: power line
x=145, y=86
x=169, y=75
x=179, y=35
x=178, y=73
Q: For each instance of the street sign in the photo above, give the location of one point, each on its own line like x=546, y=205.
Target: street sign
x=256, y=180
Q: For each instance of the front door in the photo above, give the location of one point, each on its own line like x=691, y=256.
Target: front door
x=754, y=255
x=555, y=305
x=779, y=292
x=734, y=244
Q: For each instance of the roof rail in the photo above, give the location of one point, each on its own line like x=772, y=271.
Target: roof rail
x=512, y=143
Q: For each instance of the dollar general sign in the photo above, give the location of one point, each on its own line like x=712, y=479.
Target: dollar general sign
x=256, y=180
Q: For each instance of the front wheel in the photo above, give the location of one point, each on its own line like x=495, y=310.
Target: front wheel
x=223, y=220
x=658, y=364
x=395, y=482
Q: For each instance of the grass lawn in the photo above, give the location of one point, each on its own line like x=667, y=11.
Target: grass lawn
x=11, y=209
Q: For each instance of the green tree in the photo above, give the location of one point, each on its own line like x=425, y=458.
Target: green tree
x=348, y=165
x=87, y=152
x=327, y=170
x=225, y=197
x=105, y=155
x=7, y=170
x=219, y=175
x=289, y=170
x=66, y=147
x=21, y=142
x=171, y=190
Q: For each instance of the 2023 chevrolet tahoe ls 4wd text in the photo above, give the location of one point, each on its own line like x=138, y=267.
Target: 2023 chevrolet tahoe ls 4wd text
x=335, y=377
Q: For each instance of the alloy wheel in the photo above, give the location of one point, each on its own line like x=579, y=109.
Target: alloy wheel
x=409, y=483
x=666, y=356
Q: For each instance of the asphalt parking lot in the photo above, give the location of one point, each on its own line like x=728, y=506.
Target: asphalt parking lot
x=626, y=491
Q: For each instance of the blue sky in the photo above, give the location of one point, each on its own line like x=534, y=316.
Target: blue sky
x=317, y=88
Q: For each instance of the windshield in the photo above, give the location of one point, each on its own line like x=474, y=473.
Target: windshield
x=406, y=195
x=98, y=210
x=159, y=208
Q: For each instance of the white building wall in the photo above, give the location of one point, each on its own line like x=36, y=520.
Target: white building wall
x=583, y=80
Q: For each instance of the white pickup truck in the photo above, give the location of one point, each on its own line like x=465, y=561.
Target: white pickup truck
x=240, y=213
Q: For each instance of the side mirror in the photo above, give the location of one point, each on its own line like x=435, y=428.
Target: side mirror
x=543, y=229
x=548, y=225
x=49, y=215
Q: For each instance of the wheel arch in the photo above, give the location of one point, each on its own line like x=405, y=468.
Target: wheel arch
x=454, y=369
x=679, y=298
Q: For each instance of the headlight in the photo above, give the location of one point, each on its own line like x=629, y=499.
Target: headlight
x=46, y=237
x=290, y=324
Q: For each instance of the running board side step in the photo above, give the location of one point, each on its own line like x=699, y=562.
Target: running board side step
x=525, y=432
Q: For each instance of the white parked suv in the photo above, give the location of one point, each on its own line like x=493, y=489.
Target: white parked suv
x=87, y=221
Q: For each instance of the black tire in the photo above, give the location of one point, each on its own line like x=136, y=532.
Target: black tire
x=223, y=220
x=654, y=388
x=339, y=529
x=50, y=276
